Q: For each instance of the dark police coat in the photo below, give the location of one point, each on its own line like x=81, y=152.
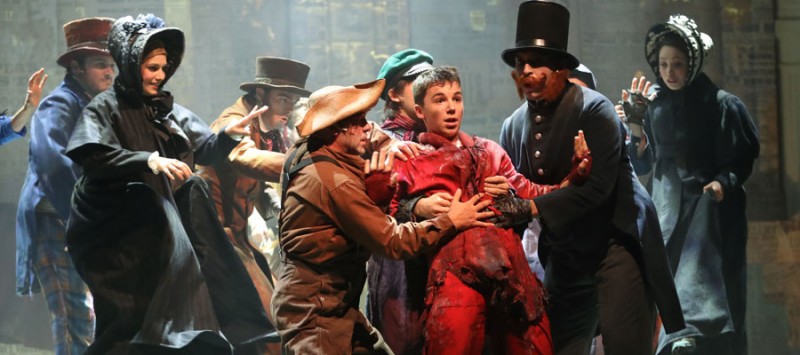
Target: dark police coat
x=578, y=221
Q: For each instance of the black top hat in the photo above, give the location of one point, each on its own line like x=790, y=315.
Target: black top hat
x=280, y=73
x=542, y=26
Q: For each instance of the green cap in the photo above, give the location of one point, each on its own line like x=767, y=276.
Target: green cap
x=403, y=64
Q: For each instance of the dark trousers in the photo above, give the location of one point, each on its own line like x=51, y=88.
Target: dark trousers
x=613, y=296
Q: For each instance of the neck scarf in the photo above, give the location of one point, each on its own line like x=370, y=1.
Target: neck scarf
x=404, y=126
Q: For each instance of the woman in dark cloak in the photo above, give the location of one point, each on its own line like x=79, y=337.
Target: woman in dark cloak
x=699, y=143
x=142, y=233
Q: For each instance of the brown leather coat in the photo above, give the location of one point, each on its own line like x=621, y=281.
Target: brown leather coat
x=329, y=229
x=235, y=194
x=235, y=190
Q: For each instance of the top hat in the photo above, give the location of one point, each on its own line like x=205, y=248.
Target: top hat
x=403, y=64
x=698, y=44
x=88, y=36
x=542, y=26
x=279, y=73
x=332, y=104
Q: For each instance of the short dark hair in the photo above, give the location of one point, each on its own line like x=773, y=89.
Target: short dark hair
x=436, y=76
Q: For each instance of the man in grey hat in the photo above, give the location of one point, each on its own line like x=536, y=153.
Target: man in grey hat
x=600, y=243
x=43, y=263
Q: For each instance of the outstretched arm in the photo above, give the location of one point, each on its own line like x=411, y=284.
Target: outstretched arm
x=24, y=114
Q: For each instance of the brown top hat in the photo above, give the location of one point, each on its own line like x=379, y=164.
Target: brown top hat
x=279, y=73
x=87, y=36
x=332, y=104
x=542, y=26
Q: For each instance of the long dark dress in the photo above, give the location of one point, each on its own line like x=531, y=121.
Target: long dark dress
x=163, y=275
x=129, y=242
x=698, y=135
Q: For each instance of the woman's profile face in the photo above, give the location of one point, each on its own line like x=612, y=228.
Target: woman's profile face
x=673, y=67
x=153, y=72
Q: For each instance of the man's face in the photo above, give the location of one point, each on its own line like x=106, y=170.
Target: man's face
x=353, y=136
x=538, y=75
x=97, y=73
x=442, y=109
x=404, y=97
x=281, y=103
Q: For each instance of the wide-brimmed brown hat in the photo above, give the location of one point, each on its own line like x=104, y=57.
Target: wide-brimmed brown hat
x=332, y=104
x=542, y=26
x=86, y=36
x=279, y=73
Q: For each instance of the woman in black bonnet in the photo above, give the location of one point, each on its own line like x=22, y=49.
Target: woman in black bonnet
x=142, y=234
x=699, y=143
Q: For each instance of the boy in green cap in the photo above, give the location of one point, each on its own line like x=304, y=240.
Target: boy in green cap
x=396, y=294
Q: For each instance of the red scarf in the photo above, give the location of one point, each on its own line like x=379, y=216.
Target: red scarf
x=404, y=126
x=273, y=140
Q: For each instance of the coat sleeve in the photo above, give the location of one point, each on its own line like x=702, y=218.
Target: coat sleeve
x=524, y=188
x=7, y=133
x=642, y=164
x=737, y=143
x=378, y=138
x=208, y=147
x=52, y=125
x=360, y=219
x=245, y=157
x=95, y=147
x=563, y=208
x=256, y=163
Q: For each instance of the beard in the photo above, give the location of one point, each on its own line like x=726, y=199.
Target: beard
x=547, y=87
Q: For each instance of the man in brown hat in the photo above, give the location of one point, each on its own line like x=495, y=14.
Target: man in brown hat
x=44, y=205
x=240, y=194
x=600, y=242
x=329, y=227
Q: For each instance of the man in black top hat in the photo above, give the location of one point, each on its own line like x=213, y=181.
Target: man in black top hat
x=600, y=242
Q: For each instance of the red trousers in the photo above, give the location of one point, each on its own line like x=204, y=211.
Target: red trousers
x=459, y=321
